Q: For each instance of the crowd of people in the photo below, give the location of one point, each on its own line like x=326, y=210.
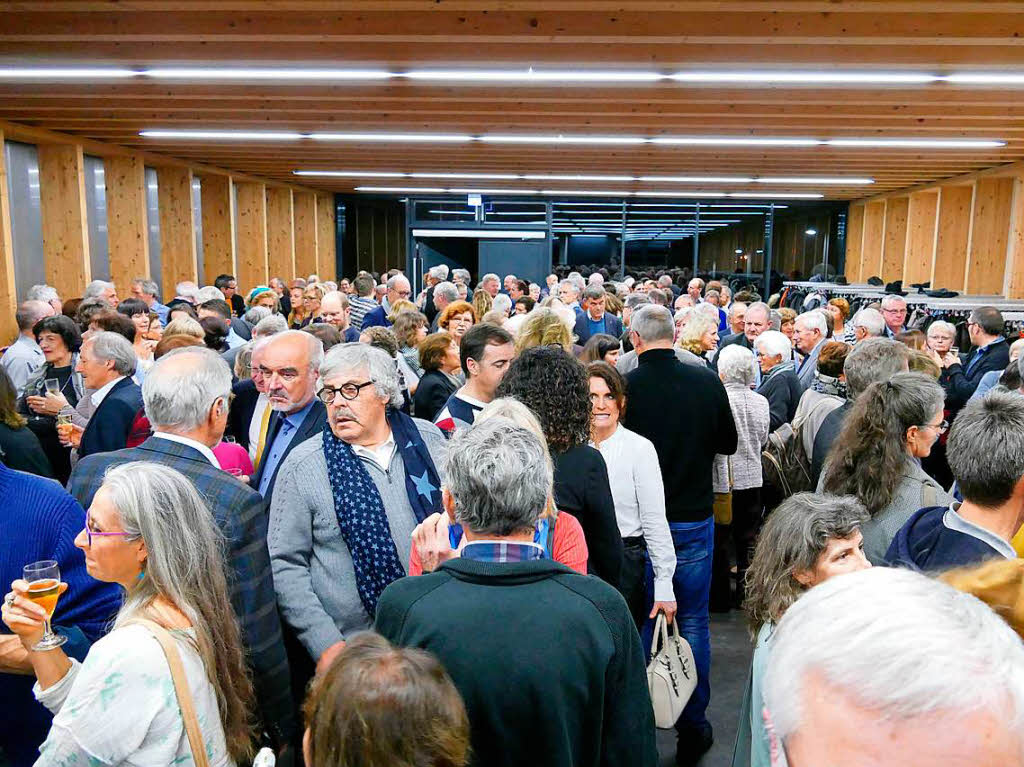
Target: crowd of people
x=360, y=525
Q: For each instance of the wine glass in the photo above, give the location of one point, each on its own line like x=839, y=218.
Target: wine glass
x=52, y=386
x=44, y=589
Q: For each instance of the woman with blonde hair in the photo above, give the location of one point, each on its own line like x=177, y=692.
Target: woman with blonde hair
x=311, y=298
x=998, y=583
x=543, y=327
x=150, y=531
x=482, y=302
x=557, y=532
x=699, y=336
x=400, y=306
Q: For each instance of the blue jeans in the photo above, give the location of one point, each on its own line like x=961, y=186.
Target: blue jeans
x=695, y=543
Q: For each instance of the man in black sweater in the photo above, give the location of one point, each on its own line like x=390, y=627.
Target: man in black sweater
x=547, y=660
x=685, y=412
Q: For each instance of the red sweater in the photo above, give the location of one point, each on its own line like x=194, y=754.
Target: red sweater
x=570, y=546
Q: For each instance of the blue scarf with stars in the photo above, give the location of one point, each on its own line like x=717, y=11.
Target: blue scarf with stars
x=361, y=516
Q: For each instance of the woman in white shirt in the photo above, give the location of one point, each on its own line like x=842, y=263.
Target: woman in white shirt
x=639, y=495
x=148, y=530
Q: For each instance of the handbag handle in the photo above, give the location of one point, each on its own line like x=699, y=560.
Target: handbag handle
x=660, y=634
x=181, y=689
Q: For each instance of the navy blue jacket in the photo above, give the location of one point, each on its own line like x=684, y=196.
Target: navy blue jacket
x=612, y=326
x=962, y=382
x=925, y=543
x=376, y=318
x=111, y=423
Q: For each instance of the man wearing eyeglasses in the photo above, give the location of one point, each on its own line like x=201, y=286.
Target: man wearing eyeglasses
x=399, y=289
x=289, y=363
x=991, y=352
x=894, y=310
x=348, y=500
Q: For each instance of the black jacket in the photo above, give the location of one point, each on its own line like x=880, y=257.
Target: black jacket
x=242, y=408
x=431, y=395
x=20, y=450
x=733, y=338
x=827, y=434
x=961, y=384
x=783, y=391
x=503, y=633
x=684, y=411
x=583, y=490
x=111, y=423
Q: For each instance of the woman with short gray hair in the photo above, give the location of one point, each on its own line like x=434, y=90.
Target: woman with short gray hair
x=148, y=530
x=779, y=382
x=805, y=541
x=877, y=457
x=739, y=473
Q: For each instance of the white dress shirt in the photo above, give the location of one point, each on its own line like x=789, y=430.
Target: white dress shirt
x=639, y=495
x=101, y=393
x=207, y=453
x=381, y=454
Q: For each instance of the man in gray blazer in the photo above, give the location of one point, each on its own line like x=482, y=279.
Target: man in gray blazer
x=809, y=333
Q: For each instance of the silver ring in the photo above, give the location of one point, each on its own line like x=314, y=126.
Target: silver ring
x=9, y=599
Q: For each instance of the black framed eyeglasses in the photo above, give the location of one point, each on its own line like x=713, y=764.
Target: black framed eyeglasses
x=347, y=391
x=941, y=428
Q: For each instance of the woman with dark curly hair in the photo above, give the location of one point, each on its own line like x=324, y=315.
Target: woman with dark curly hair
x=550, y=382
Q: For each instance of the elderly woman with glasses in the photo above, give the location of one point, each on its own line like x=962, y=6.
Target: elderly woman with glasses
x=877, y=457
x=149, y=531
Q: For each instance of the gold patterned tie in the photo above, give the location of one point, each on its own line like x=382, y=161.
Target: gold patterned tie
x=262, y=444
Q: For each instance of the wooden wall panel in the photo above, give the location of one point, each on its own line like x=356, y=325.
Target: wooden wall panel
x=280, y=234
x=304, y=207
x=953, y=237
x=65, y=226
x=986, y=260
x=325, y=242
x=127, y=222
x=218, y=227
x=874, y=237
x=895, y=247
x=1013, y=281
x=8, y=289
x=177, y=227
x=251, y=231
x=854, y=242
x=923, y=216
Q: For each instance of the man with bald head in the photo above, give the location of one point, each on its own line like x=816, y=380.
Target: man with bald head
x=398, y=289
x=335, y=310
x=24, y=356
x=288, y=364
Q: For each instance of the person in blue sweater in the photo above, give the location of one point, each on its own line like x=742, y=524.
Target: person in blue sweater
x=986, y=454
x=40, y=521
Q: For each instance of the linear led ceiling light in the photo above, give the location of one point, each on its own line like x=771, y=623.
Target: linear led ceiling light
x=809, y=78
x=560, y=139
x=503, y=234
x=393, y=137
x=589, y=192
x=825, y=181
x=226, y=135
x=260, y=73
x=914, y=143
x=531, y=76
x=65, y=73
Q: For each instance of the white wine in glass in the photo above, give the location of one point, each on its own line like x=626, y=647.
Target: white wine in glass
x=44, y=589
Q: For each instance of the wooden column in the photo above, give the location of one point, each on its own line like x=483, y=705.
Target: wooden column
x=218, y=227
x=894, y=249
x=953, y=237
x=177, y=227
x=65, y=225
x=854, y=242
x=8, y=289
x=127, y=234
x=1013, y=281
x=986, y=258
x=305, y=233
x=325, y=245
x=874, y=238
x=280, y=234
x=922, y=223
x=251, y=233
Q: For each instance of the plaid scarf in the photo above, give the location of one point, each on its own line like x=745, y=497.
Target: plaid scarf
x=361, y=514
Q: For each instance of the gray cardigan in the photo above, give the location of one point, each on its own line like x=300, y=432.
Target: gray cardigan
x=915, y=491
x=313, y=574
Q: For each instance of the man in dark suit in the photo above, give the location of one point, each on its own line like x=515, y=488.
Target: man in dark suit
x=399, y=289
x=991, y=352
x=107, y=362
x=756, y=320
x=595, y=319
x=186, y=397
x=290, y=364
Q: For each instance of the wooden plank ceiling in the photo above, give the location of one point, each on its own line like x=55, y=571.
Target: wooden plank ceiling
x=627, y=35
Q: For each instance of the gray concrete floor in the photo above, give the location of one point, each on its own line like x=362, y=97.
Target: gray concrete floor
x=731, y=649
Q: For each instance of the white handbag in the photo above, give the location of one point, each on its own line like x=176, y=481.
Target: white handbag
x=671, y=674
